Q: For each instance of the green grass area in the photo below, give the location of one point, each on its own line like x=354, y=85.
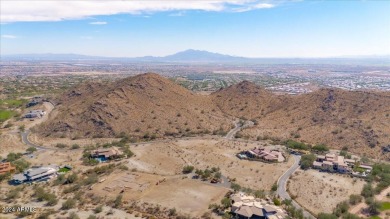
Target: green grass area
x=11, y=103
x=385, y=206
x=5, y=114
x=375, y=217
x=63, y=170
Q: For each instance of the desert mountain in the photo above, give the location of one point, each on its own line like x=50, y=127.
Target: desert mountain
x=149, y=104
x=144, y=105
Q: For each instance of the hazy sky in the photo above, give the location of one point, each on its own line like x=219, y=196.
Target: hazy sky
x=250, y=28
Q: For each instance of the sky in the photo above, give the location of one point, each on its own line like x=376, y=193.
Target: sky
x=247, y=28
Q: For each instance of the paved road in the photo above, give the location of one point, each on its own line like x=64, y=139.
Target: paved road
x=25, y=134
x=282, y=185
x=28, y=143
x=237, y=127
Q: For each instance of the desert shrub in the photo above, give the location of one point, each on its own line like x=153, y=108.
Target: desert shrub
x=12, y=194
x=259, y=194
x=90, y=179
x=296, y=145
x=90, y=161
x=274, y=187
x=276, y=201
x=31, y=149
x=235, y=187
x=73, y=215
x=226, y=202
x=5, y=176
x=98, y=209
x=341, y=208
x=118, y=201
x=75, y=146
x=355, y=199
x=71, y=178
x=320, y=148
x=68, y=204
x=327, y=216
x=350, y=216
x=21, y=165
x=188, y=169
x=60, y=145
x=367, y=191
x=172, y=212
x=13, y=156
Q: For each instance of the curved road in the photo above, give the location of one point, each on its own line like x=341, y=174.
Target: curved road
x=25, y=133
x=282, y=185
x=28, y=143
x=238, y=127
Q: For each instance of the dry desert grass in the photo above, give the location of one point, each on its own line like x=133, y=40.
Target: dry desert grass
x=321, y=192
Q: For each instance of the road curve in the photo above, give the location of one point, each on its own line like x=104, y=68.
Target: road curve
x=28, y=143
x=282, y=186
x=25, y=133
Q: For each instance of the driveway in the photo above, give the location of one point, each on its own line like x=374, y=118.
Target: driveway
x=282, y=186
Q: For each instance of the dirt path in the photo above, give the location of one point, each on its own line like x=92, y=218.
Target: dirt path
x=383, y=194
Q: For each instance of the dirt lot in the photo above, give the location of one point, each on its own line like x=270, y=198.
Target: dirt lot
x=207, y=153
x=188, y=196
x=321, y=192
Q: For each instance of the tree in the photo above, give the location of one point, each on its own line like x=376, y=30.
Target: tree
x=13, y=156
x=367, y=191
x=31, y=150
x=226, y=202
x=307, y=161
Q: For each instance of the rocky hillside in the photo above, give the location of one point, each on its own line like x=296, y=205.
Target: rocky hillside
x=354, y=119
x=149, y=106
x=146, y=105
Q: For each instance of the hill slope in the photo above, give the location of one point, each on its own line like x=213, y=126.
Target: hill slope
x=142, y=105
x=149, y=104
x=354, y=119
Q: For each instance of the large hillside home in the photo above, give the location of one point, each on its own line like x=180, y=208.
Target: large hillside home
x=249, y=207
x=104, y=154
x=271, y=155
x=35, y=175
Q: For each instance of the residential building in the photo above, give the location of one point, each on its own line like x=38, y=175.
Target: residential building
x=6, y=167
x=249, y=207
x=266, y=154
x=336, y=163
x=35, y=114
x=104, y=154
x=36, y=174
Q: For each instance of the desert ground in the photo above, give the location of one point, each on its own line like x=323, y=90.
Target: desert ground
x=320, y=191
x=205, y=153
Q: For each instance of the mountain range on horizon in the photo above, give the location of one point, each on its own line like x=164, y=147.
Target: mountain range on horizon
x=190, y=55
